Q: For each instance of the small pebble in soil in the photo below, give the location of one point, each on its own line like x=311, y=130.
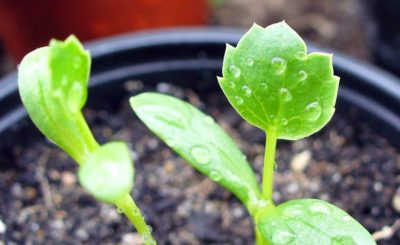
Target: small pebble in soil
x=300, y=161
x=396, y=202
x=2, y=227
x=131, y=238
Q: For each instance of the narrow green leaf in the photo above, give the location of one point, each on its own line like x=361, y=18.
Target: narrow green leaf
x=274, y=84
x=53, y=87
x=311, y=222
x=199, y=140
x=108, y=172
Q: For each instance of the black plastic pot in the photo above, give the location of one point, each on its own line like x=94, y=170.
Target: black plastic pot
x=192, y=58
x=384, y=32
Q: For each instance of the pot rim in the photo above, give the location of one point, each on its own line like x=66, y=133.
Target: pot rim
x=372, y=89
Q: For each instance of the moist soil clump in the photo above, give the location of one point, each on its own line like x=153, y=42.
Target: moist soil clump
x=346, y=164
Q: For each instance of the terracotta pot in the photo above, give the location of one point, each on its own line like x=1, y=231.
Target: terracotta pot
x=26, y=25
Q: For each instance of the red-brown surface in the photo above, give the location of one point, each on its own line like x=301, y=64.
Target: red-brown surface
x=26, y=25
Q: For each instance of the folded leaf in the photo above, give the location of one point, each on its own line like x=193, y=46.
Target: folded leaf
x=311, y=222
x=199, y=140
x=53, y=87
x=108, y=172
x=274, y=84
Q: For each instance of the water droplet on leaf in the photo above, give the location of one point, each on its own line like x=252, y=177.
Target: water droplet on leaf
x=342, y=240
x=346, y=218
x=120, y=210
x=284, y=121
x=320, y=208
x=234, y=70
x=239, y=100
x=301, y=55
x=250, y=61
x=281, y=237
x=302, y=75
x=231, y=84
x=279, y=64
x=293, y=211
x=263, y=86
x=286, y=95
x=313, y=111
x=246, y=90
x=215, y=176
x=200, y=154
x=75, y=97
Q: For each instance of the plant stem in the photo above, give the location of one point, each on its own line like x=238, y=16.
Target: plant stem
x=133, y=213
x=269, y=166
x=260, y=240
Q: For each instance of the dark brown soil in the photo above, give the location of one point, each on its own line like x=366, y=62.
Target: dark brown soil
x=346, y=164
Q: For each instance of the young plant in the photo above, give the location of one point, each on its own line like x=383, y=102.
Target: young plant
x=275, y=85
x=53, y=87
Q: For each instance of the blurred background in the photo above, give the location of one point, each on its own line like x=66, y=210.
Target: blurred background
x=366, y=29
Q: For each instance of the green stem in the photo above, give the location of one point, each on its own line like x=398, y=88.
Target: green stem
x=260, y=240
x=133, y=213
x=269, y=166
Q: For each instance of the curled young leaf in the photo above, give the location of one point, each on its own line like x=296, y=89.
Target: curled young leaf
x=200, y=141
x=108, y=172
x=275, y=85
x=53, y=87
x=311, y=222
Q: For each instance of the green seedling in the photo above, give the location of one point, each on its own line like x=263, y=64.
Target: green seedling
x=53, y=87
x=275, y=85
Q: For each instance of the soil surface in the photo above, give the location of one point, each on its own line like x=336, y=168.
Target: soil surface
x=346, y=164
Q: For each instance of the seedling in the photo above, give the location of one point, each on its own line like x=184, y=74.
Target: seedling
x=275, y=85
x=53, y=87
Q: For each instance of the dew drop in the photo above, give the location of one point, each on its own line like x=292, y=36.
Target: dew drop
x=263, y=86
x=215, y=176
x=284, y=121
x=145, y=238
x=208, y=120
x=279, y=64
x=342, y=240
x=286, y=95
x=294, y=211
x=74, y=97
x=200, y=154
x=281, y=237
x=120, y=210
x=247, y=91
x=231, y=84
x=136, y=212
x=234, y=70
x=320, y=208
x=301, y=55
x=346, y=218
x=313, y=111
x=150, y=228
x=250, y=61
x=57, y=94
x=239, y=100
x=302, y=75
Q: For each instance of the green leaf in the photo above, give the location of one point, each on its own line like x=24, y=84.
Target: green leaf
x=311, y=222
x=199, y=140
x=53, y=87
x=108, y=172
x=275, y=85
